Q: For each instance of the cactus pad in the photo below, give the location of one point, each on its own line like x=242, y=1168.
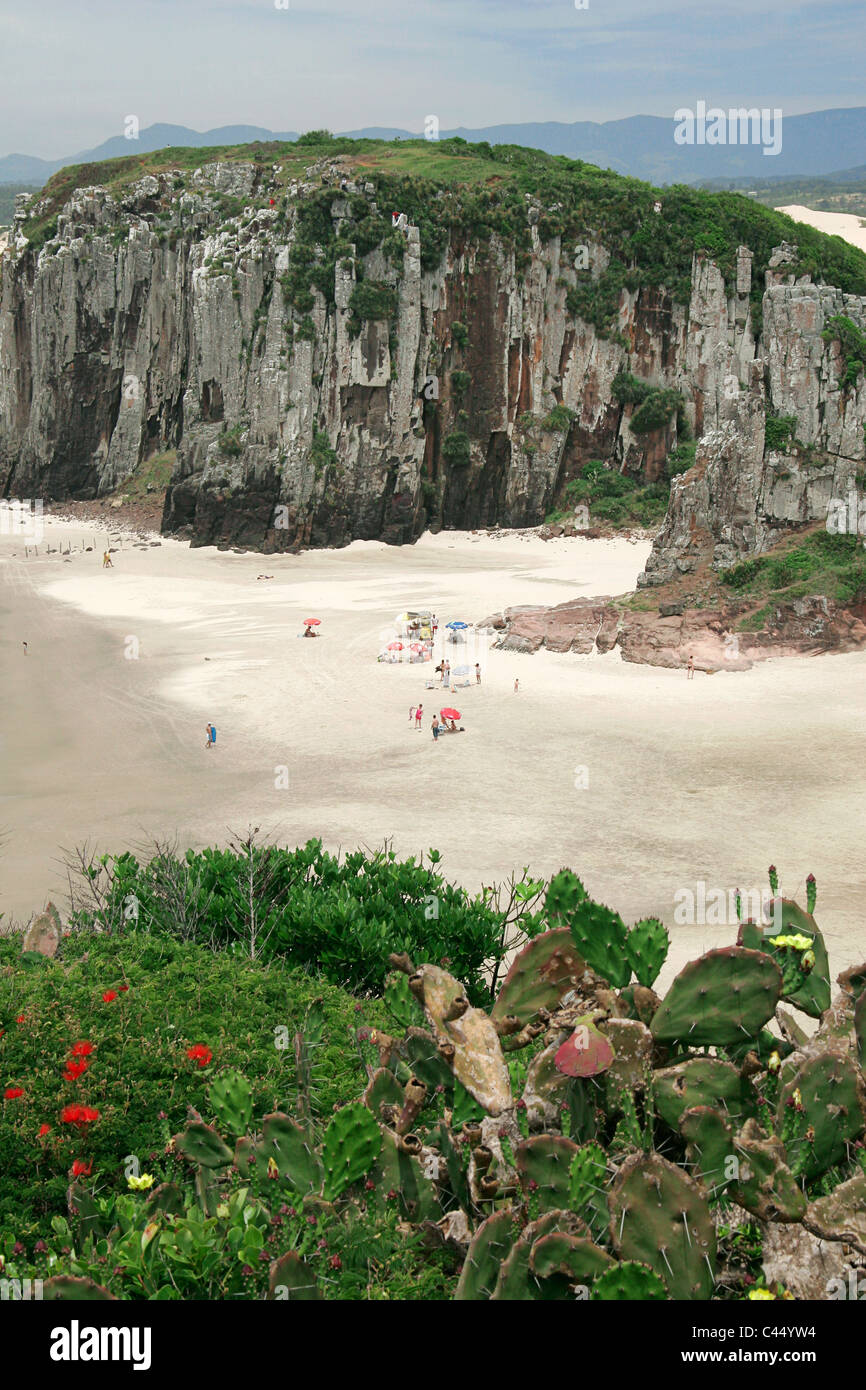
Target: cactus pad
x=488, y=1250
x=544, y=1166
x=287, y=1145
x=820, y=1112
x=628, y=1281
x=646, y=947
x=660, y=1217
x=231, y=1098
x=725, y=996
x=703, y=1081
x=539, y=976
x=201, y=1144
x=351, y=1146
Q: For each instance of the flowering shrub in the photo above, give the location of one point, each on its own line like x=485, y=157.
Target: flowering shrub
x=95, y=1083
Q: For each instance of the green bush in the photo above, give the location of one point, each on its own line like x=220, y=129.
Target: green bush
x=456, y=450
x=371, y=299
x=680, y=459
x=560, y=418
x=852, y=340
x=779, y=431
x=460, y=335
x=656, y=410
x=340, y=917
x=229, y=443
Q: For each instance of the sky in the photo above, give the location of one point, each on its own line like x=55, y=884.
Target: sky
x=72, y=71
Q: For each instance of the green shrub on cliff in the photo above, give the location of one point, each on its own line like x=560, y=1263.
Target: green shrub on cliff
x=852, y=341
x=779, y=431
x=456, y=450
x=656, y=411
x=372, y=300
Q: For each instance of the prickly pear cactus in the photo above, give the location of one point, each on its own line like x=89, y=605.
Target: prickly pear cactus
x=539, y=976
x=765, y=1184
x=351, y=1146
x=291, y=1279
x=647, y=948
x=660, y=1217
x=543, y=1166
x=231, y=1097
x=488, y=1250
x=201, y=1144
x=576, y=1258
x=286, y=1151
x=565, y=891
x=600, y=936
x=820, y=1112
x=795, y=943
x=478, y=1062
x=628, y=1281
x=725, y=996
x=587, y=1194
x=710, y=1143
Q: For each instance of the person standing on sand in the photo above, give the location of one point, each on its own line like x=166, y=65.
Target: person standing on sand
x=435, y=727
x=478, y=673
x=418, y=713
x=516, y=685
x=208, y=735
x=691, y=668
x=107, y=562
x=24, y=645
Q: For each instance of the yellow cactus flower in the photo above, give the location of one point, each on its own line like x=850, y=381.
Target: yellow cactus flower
x=273, y=1170
x=796, y=940
x=142, y=1183
x=774, y=1062
x=758, y=1295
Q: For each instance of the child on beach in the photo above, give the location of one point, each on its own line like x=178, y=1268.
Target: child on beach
x=516, y=685
x=418, y=713
x=107, y=562
x=691, y=668
x=478, y=673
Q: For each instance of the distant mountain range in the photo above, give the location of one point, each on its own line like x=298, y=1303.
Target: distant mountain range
x=814, y=145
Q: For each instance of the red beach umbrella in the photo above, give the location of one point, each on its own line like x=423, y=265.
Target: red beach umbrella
x=450, y=714
x=312, y=622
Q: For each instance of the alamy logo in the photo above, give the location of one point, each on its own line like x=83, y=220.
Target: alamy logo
x=847, y=518
x=20, y=1290
x=76, y=1343
x=738, y=126
x=22, y=519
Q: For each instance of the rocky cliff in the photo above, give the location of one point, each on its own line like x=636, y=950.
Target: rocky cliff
x=323, y=377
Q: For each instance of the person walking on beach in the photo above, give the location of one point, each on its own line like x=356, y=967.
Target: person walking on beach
x=208, y=731
x=418, y=713
x=691, y=668
x=435, y=727
x=516, y=685
x=107, y=562
x=446, y=675
x=24, y=645
x=478, y=673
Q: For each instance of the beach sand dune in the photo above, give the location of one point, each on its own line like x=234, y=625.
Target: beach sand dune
x=643, y=782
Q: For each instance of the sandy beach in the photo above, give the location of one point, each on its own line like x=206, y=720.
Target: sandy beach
x=844, y=224
x=646, y=784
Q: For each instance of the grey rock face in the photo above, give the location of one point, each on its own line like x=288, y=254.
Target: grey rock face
x=157, y=320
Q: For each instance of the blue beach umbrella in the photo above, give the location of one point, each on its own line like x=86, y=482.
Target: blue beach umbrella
x=456, y=624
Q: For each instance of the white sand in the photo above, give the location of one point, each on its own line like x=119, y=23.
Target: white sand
x=844, y=224
x=703, y=780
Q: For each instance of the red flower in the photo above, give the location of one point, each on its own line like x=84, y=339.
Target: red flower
x=123, y=989
x=200, y=1053
x=78, y=1115
x=80, y=1169
x=74, y=1070
x=43, y=1130
x=22, y=1018
x=109, y=995
x=81, y=1049
x=12, y=1093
